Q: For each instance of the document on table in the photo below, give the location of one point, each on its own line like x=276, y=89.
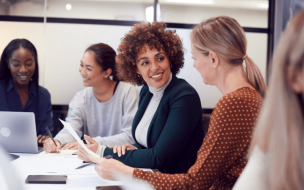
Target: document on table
x=62, y=153
x=67, y=166
x=74, y=134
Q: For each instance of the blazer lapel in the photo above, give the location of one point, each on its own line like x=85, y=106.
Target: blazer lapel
x=166, y=92
x=141, y=110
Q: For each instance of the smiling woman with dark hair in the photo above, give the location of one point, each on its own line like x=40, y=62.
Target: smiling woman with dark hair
x=168, y=126
x=105, y=109
x=19, y=85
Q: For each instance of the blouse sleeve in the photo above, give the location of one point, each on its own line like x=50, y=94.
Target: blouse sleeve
x=75, y=118
x=222, y=156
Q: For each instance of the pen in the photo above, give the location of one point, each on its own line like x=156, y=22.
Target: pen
x=50, y=134
x=89, y=163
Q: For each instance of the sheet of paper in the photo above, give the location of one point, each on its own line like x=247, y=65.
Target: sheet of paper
x=74, y=134
x=62, y=153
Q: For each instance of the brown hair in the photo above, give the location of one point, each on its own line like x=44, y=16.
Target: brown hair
x=279, y=131
x=105, y=57
x=226, y=37
x=155, y=36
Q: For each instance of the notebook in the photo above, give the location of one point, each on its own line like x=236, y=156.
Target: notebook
x=18, y=132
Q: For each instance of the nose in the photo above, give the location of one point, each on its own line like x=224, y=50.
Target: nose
x=154, y=66
x=81, y=70
x=23, y=69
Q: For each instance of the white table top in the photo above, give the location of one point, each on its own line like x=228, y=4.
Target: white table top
x=44, y=164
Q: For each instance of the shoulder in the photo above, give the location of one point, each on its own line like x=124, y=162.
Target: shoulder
x=240, y=98
x=83, y=93
x=181, y=88
x=127, y=88
x=44, y=93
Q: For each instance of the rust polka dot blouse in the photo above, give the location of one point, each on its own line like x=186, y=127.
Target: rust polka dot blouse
x=222, y=156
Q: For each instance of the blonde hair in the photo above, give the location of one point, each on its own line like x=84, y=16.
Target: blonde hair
x=279, y=130
x=226, y=37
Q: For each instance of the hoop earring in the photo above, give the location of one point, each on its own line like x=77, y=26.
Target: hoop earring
x=138, y=75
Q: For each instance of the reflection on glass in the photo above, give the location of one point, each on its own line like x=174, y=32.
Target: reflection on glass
x=250, y=13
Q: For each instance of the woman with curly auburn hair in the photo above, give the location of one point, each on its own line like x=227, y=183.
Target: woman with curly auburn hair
x=168, y=126
x=218, y=47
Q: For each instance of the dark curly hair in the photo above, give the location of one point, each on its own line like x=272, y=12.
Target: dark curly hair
x=155, y=36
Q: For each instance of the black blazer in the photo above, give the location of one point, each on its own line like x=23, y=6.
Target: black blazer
x=175, y=133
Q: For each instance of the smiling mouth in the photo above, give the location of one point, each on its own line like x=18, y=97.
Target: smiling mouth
x=156, y=76
x=85, y=79
x=22, y=76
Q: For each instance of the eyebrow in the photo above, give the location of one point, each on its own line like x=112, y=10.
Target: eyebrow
x=86, y=65
x=159, y=53
x=30, y=59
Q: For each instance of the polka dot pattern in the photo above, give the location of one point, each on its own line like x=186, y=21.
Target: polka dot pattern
x=222, y=156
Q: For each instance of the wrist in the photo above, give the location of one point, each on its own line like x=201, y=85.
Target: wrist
x=128, y=171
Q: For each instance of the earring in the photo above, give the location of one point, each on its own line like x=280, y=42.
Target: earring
x=138, y=75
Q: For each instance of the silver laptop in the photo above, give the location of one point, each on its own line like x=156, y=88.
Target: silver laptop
x=18, y=132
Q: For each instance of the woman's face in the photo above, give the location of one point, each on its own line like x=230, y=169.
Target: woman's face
x=22, y=66
x=153, y=66
x=90, y=71
x=203, y=64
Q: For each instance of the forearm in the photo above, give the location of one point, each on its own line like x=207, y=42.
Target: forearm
x=119, y=139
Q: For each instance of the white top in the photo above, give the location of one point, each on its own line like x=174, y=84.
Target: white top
x=109, y=123
x=253, y=176
x=143, y=126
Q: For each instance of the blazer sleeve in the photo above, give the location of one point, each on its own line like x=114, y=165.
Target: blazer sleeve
x=184, y=113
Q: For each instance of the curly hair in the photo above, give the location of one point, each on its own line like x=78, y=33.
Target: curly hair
x=155, y=36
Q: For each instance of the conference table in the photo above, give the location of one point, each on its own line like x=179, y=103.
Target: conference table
x=85, y=178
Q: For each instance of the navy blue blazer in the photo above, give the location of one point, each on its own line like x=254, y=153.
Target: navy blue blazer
x=175, y=133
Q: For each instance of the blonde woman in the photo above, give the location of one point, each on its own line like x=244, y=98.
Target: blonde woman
x=218, y=47
x=276, y=161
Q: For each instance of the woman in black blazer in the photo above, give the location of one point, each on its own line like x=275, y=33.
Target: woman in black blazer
x=168, y=126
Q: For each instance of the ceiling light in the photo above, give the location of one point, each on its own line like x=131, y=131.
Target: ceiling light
x=192, y=1
x=263, y=5
x=68, y=6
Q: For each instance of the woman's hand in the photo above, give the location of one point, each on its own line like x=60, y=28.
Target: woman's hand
x=121, y=149
x=93, y=146
x=41, y=139
x=107, y=167
x=49, y=146
x=71, y=146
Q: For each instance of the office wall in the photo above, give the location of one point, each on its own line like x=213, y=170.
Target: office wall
x=61, y=46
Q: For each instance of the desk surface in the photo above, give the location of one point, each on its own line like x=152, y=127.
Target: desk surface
x=43, y=164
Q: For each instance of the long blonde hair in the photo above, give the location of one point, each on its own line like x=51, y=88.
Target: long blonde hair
x=226, y=37
x=279, y=130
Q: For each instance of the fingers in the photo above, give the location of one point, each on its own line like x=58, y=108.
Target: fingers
x=58, y=145
x=111, y=147
x=88, y=138
x=39, y=136
x=43, y=138
x=49, y=146
x=71, y=146
x=95, y=159
x=82, y=154
x=123, y=150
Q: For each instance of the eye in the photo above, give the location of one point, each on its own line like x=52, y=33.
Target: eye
x=29, y=64
x=145, y=63
x=89, y=69
x=161, y=58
